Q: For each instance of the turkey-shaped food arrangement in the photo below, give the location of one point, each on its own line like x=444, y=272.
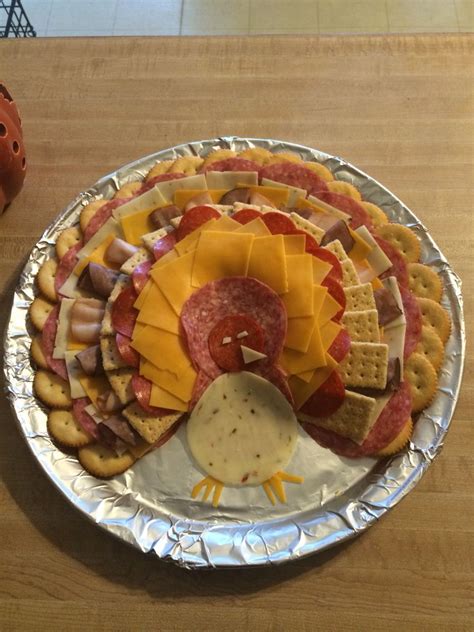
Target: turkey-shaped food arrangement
x=242, y=295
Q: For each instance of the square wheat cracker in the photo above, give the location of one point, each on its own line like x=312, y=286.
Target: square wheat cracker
x=365, y=366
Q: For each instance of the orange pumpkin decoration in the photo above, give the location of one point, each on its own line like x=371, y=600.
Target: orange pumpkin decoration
x=12, y=150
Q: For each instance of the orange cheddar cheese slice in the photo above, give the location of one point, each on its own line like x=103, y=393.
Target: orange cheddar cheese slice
x=174, y=280
x=268, y=263
x=302, y=390
x=220, y=254
x=97, y=256
x=157, y=311
x=299, y=298
x=162, y=399
x=180, y=386
x=162, y=348
x=294, y=244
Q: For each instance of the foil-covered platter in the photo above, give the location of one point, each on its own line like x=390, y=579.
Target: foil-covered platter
x=149, y=507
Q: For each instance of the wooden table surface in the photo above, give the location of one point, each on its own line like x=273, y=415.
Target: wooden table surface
x=400, y=108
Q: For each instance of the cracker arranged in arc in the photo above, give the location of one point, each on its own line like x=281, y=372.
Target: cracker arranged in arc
x=365, y=366
x=52, y=390
x=148, y=426
x=103, y=462
x=431, y=346
x=45, y=279
x=421, y=376
x=320, y=170
x=128, y=190
x=399, y=442
x=435, y=316
x=37, y=353
x=359, y=297
x=376, y=214
x=345, y=188
x=424, y=282
x=349, y=274
x=189, y=165
x=402, y=238
x=362, y=326
x=336, y=248
x=121, y=383
x=159, y=169
x=111, y=358
x=67, y=239
x=258, y=154
x=64, y=429
x=89, y=211
x=39, y=311
x=218, y=154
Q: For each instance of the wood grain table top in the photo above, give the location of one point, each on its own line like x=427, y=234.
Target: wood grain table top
x=401, y=109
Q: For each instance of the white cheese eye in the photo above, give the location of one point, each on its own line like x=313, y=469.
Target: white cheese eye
x=227, y=340
x=242, y=430
x=242, y=334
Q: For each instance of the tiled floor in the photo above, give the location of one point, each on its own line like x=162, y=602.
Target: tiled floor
x=227, y=17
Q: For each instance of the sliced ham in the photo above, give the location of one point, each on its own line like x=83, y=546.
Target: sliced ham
x=108, y=402
x=339, y=231
x=98, y=279
x=201, y=199
x=86, y=320
x=163, y=216
x=86, y=332
x=241, y=195
x=386, y=305
x=119, y=251
x=90, y=360
x=121, y=428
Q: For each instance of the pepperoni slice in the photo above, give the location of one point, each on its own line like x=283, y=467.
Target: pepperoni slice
x=310, y=243
x=101, y=216
x=48, y=337
x=232, y=164
x=388, y=425
x=294, y=175
x=83, y=418
x=229, y=356
x=142, y=390
x=164, y=245
x=327, y=398
x=66, y=265
x=413, y=319
x=359, y=215
x=126, y=352
x=246, y=215
x=328, y=257
x=399, y=267
x=140, y=276
x=340, y=346
x=278, y=224
x=336, y=291
x=194, y=218
x=123, y=313
x=163, y=177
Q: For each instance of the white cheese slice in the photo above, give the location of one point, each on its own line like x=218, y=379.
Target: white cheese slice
x=250, y=355
x=149, y=200
x=377, y=259
x=70, y=290
x=62, y=331
x=74, y=372
x=230, y=179
x=239, y=206
x=295, y=192
x=309, y=227
x=335, y=212
x=94, y=413
x=111, y=227
x=168, y=188
x=395, y=339
x=243, y=430
x=242, y=334
x=391, y=284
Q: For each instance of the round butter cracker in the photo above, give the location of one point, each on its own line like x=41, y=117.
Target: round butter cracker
x=435, y=316
x=102, y=462
x=376, y=214
x=128, y=190
x=188, y=165
x=284, y=156
x=89, y=211
x=320, y=170
x=64, y=429
x=258, y=154
x=45, y=279
x=159, y=169
x=39, y=311
x=37, y=353
x=218, y=154
x=403, y=239
x=399, y=442
x=345, y=188
x=52, y=390
x=421, y=376
x=431, y=346
x=67, y=239
x=424, y=282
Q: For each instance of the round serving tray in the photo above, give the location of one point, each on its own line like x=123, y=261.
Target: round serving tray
x=149, y=506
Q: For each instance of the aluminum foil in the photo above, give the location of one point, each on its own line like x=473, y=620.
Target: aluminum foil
x=150, y=507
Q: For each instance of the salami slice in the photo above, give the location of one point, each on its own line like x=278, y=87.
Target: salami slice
x=163, y=177
x=327, y=398
x=232, y=164
x=142, y=390
x=168, y=434
x=399, y=267
x=340, y=346
x=336, y=291
x=359, y=215
x=388, y=425
x=123, y=313
x=101, y=216
x=311, y=245
x=246, y=215
x=294, y=175
x=230, y=296
x=329, y=257
x=164, y=245
x=66, y=265
x=413, y=320
x=83, y=418
x=194, y=218
x=126, y=352
x=278, y=224
x=225, y=344
x=201, y=383
x=48, y=337
x=140, y=276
